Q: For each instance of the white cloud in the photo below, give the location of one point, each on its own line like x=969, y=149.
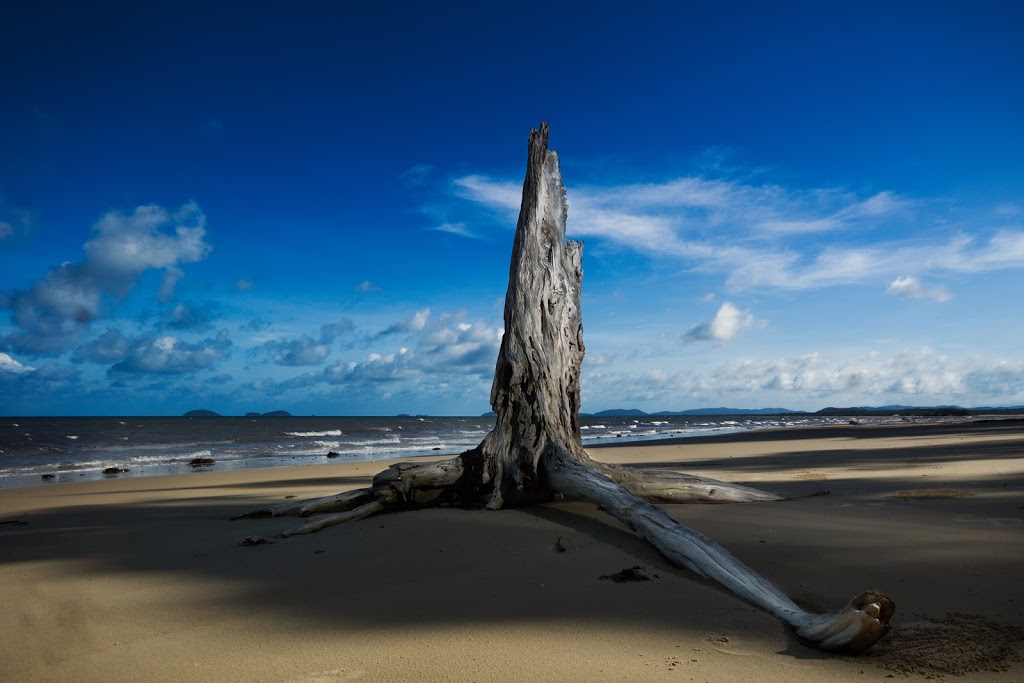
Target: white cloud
x=170, y=355
x=56, y=311
x=445, y=351
x=305, y=350
x=728, y=322
x=459, y=229
x=505, y=196
x=756, y=235
x=365, y=287
x=126, y=245
x=413, y=324
x=170, y=279
x=913, y=376
x=8, y=364
x=109, y=347
x=909, y=286
x=302, y=351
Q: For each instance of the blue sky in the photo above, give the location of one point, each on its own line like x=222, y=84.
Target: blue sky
x=310, y=206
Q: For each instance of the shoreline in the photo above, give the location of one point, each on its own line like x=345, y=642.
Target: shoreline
x=61, y=475
x=144, y=578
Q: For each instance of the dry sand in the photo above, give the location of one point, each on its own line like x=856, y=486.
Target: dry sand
x=145, y=580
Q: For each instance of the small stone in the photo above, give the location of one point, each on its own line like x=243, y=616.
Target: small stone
x=253, y=540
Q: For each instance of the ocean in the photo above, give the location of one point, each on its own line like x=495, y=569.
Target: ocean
x=37, y=451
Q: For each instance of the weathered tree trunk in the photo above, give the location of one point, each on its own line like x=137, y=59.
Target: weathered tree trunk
x=535, y=449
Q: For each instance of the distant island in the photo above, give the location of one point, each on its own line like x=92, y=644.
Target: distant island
x=201, y=413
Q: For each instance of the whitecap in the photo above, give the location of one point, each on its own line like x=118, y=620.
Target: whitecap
x=329, y=432
x=71, y=436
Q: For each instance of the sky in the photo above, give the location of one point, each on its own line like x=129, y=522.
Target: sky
x=309, y=206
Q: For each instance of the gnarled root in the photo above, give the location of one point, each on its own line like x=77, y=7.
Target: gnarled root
x=852, y=629
x=402, y=485
x=322, y=522
x=675, y=487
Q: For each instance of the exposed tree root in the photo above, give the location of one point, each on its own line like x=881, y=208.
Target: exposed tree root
x=676, y=487
x=852, y=629
x=535, y=449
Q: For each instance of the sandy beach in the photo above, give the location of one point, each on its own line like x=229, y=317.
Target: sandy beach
x=145, y=579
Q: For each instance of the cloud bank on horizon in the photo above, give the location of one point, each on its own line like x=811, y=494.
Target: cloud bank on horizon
x=839, y=227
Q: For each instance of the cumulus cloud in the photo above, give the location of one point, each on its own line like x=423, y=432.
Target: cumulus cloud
x=170, y=355
x=302, y=351
x=109, y=347
x=445, y=352
x=306, y=350
x=728, y=322
x=413, y=324
x=8, y=364
x=914, y=376
x=43, y=382
x=462, y=347
x=56, y=311
x=909, y=286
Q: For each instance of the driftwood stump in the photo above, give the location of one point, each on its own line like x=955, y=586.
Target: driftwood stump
x=535, y=449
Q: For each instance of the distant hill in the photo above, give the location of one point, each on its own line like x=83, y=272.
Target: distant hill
x=729, y=411
x=201, y=413
x=620, y=412
x=633, y=412
x=1014, y=410
x=277, y=413
x=926, y=411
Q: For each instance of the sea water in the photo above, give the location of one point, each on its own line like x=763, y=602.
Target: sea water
x=51, y=450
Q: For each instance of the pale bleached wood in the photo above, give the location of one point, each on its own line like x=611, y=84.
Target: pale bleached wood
x=855, y=627
x=374, y=507
x=535, y=448
x=658, y=486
